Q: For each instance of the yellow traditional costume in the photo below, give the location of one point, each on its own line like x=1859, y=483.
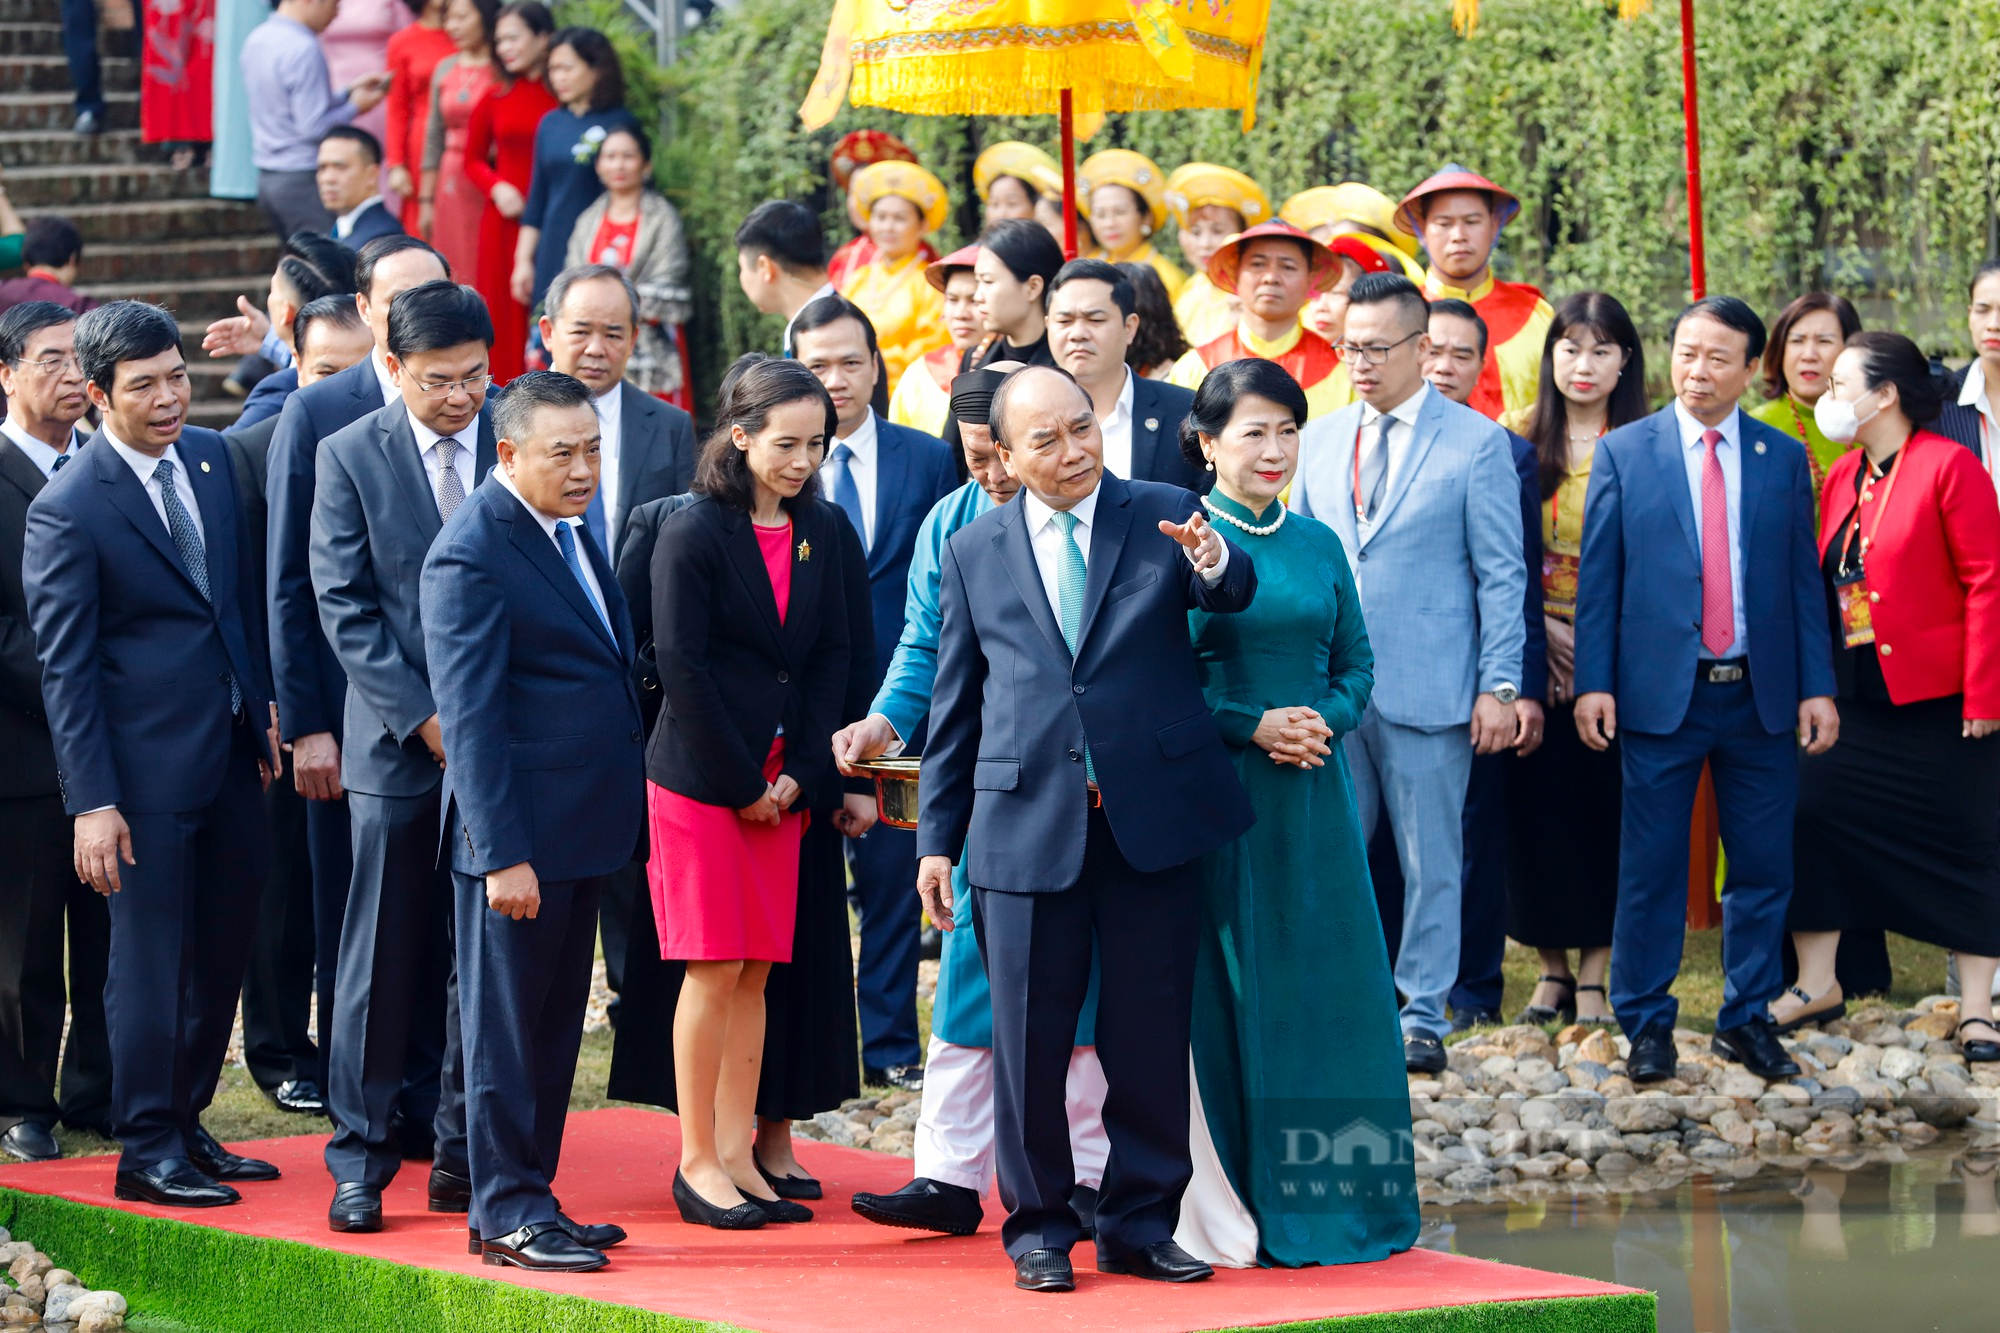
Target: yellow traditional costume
x=1206, y=312
x=1023, y=161
x=922, y=401
x=1137, y=173
x=1517, y=318
x=906, y=310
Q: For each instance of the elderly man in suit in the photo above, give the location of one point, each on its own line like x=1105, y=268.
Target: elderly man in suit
x=1070, y=739
x=1701, y=638
x=139, y=587
x=1425, y=498
x=648, y=452
x=39, y=887
x=544, y=798
x=885, y=477
x=386, y=485
x=310, y=683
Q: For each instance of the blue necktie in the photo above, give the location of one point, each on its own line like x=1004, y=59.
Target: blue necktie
x=566, y=543
x=593, y=518
x=187, y=540
x=845, y=493
x=1071, y=576
x=57, y=466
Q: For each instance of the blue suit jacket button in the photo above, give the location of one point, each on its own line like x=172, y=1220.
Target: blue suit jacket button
x=784, y=677
x=637, y=737
x=1074, y=756
x=1078, y=689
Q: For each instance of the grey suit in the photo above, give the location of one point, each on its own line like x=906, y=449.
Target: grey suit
x=374, y=517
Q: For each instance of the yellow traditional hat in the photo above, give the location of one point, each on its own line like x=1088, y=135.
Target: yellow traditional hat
x=1122, y=166
x=904, y=180
x=1350, y=201
x=1023, y=161
x=1201, y=184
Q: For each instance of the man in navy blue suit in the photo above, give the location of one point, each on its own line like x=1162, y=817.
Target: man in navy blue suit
x=531, y=652
x=348, y=175
x=1701, y=637
x=887, y=478
x=1070, y=739
x=142, y=598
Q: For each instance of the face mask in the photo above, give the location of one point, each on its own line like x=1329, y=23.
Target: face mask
x=1836, y=419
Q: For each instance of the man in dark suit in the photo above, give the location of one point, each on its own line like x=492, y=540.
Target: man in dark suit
x=1070, y=739
x=310, y=684
x=38, y=883
x=1701, y=637
x=349, y=179
x=648, y=452
x=1093, y=317
x=278, y=1048
x=140, y=589
x=309, y=266
x=886, y=478
x=385, y=486
x=544, y=798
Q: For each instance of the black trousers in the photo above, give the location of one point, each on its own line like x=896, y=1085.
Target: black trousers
x=1037, y=950
x=624, y=893
x=38, y=890
x=524, y=985
x=277, y=993
x=180, y=940
x=396, y=988
x=330, y=841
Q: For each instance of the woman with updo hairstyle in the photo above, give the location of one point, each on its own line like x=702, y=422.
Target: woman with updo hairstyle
x=1288, y=905
x=1012, y=271
x=752, y=635
x=1898, y=826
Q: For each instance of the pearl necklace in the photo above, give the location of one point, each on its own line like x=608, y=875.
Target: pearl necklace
x=1227, y=517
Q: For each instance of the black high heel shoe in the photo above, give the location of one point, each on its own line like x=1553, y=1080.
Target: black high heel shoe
x=695, y=1209
x=1596, y=1022
x=1538, y=1014
x=789, y=1187
x=781, y=1210
x=1977, y=1050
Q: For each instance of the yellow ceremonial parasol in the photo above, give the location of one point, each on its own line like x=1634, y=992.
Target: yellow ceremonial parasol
x=1040, y=57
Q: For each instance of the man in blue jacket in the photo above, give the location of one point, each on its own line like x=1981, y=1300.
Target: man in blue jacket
x=531, y=651
x=1701, y=638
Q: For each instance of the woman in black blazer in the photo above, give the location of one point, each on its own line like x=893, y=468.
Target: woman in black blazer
x=751, y=636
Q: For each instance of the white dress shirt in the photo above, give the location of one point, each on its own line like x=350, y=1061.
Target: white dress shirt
x=864, y=467
x=390, y=393
x=143, y=465
x=1047, y=541
x=1694, y=454
x=41, y=455
x=825, y=289
x=1116, y=426
x=1402, y=430
x=548, y=523
x=427, y=453
x=610, y=420
x=1973, y=393
x=343, y=226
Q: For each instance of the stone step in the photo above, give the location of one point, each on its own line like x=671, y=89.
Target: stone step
x=192, y=302
x=31, y=11
x=50, y=74
x=247, y=259
x=61, y=187
x=30, y=39
x=57, y=111
x=59, y=148
x=165, y=220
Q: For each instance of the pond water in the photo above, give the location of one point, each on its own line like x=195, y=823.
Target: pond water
x=1823, y=1247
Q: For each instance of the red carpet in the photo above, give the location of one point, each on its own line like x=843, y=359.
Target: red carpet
x=836, y=1273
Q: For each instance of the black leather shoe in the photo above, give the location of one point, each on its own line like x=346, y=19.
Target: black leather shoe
x=695, y=1209
x=356, y=1207
x=449, y=1192
x=544, y=1247
x=174, y=1183
x=591, y=1235
x=1162, y=1261
x=1423, y=1053
x=1756, y=1047
x=300, y=1096
x=30, y=1142
x=473, y=1244
x=926, y=1205
x=1652, y=1058
x=789, y=1187
x=781, y=1210
x=910, y=1078
x=218, y=1163
x=1044, y=1270
x=1083, y=1202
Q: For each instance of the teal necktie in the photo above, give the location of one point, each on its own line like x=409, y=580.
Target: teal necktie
x=1071, y=575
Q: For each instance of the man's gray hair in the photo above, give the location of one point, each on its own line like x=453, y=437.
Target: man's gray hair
x=514, y=409
x=552, y=302
x=996, y=414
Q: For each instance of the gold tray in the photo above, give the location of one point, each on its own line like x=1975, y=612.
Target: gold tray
x=895, y=788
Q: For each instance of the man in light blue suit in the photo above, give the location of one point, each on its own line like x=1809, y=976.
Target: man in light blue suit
x=1701, y=638
x=1425, y=498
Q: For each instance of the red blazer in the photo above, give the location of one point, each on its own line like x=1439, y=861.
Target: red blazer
x=1933, y=572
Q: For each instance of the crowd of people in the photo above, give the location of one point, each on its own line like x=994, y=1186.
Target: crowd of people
x=1323, y=613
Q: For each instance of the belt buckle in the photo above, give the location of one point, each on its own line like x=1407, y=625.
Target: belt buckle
x=1725, y=673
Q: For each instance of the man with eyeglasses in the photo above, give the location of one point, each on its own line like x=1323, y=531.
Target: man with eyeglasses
x=38, y=883
x=386, y=484
x=1273, y=269
x=1424, y=495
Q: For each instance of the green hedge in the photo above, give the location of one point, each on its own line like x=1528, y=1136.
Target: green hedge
x=1849, y=143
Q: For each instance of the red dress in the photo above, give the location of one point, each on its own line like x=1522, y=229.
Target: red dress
x=414, y=54
x=500, y=146
x=177, y=73
x=722, y=887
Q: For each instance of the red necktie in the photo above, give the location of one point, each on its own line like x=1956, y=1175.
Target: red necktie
x=1718, y=603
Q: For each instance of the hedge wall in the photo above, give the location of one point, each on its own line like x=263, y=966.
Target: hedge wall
x=1850, y=143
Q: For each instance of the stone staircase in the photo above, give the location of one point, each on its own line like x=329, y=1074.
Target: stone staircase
x=150, y=233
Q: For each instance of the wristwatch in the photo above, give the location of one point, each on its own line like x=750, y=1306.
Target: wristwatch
x=1505, y=692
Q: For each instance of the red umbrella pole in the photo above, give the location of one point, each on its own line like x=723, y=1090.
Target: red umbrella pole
x=1069, y=178
x=1690, y=103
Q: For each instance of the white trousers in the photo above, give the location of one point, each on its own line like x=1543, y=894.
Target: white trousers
x=955, y=1129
